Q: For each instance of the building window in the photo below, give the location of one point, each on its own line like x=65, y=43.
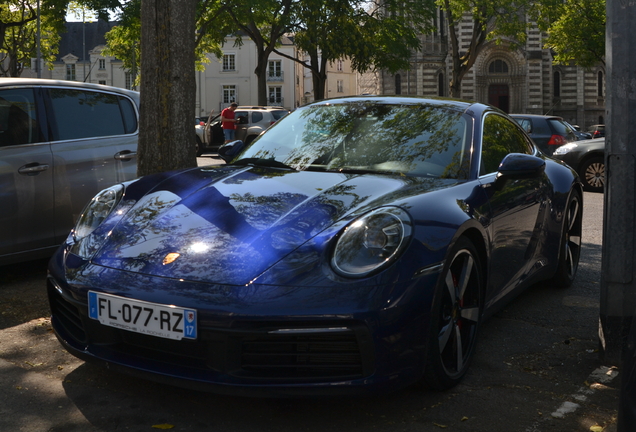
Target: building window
x=102, y=82
x=128, y=81
x=339, y=65
x=102, y=63
x=275, y=70
x=229, y=62
x=398, y=84
x=275, y=95
x=599, y=83
x=70, y=72
x=229, y=94
x=557, y=84
x=340, y=86
x=498, y=66
x=441, y=85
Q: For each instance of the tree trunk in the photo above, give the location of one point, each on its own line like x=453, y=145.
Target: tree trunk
x=261, y=75
x=318, y=75
x=168, y=87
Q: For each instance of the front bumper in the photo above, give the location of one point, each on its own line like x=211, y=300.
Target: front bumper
x=362, y=352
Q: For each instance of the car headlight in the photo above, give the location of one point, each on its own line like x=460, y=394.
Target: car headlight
x=565, y=148
x=371, y=242
x=97, y=210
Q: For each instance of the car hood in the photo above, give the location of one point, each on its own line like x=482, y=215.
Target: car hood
x=228, y=225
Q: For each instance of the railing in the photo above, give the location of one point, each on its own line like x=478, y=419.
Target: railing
x=275, y=76
x=275, y=101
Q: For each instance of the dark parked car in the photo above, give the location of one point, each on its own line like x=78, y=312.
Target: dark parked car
x=597, y=131
x=548, y=132
x=588, y=159
x=579, y=134
x=354, y=247
x=61, y=142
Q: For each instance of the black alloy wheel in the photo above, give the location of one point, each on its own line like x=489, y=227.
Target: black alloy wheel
x=593, y=174
x=570, y=249
x=456, y=316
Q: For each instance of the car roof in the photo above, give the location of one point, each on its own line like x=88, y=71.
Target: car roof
x=547, y=117
x=459, y=105
x=5, y=82
x=263, y=108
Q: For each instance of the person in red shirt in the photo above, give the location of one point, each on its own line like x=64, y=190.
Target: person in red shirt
x=228, y=122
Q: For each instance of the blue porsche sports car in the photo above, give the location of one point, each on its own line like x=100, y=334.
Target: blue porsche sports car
x=354, y=247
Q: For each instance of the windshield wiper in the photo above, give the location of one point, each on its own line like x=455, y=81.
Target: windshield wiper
x=271, y=163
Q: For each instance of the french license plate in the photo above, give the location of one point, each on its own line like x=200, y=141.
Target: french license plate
x=153, y=319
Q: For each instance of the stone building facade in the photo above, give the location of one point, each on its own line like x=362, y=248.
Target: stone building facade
x=524, y=80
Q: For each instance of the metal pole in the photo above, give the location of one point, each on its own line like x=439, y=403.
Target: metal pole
x=38, y=55
x=618, y=285
x=84, y=42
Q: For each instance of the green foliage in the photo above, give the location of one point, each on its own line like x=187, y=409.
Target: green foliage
x=576, y=32
x=19, y=40
x=492, y=20
x=378, y=39
x=123, y=41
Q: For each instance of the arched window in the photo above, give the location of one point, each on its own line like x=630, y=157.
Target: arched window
x=599, y=83
x=398, y=84
x=556, y=83
x=441, y=85
x=498, y=66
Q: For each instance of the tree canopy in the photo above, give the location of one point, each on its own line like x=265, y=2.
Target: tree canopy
x=491, y=20
x=576, y=32
x=18, y=30
x=378, y=38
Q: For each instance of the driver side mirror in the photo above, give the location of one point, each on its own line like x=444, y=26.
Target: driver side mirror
x=520, y=165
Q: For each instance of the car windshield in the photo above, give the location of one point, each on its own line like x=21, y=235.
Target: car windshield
x=409, y=139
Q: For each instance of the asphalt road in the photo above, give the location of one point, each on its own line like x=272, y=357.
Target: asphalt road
x=537, y=369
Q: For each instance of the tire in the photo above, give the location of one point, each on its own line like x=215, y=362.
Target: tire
x=455, y=317
x=199, y=147
x=570, y=247
x=592, y=174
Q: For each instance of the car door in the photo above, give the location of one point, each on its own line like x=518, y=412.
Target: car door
x=517, y=214
x=214, y=132
x=242, y=125
x=26, y=177
x=94, y=147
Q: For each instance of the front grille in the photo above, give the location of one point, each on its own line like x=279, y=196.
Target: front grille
x=248, y=351
x=302, y=356
x=67, y=314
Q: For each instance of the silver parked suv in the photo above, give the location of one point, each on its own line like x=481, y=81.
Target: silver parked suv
x=253, y=121
x=61, y=142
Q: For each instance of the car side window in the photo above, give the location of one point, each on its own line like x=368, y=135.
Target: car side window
x=500, y=138
x=242, y=116
x=18, y=120
x=86, y=114
x=257, y=117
